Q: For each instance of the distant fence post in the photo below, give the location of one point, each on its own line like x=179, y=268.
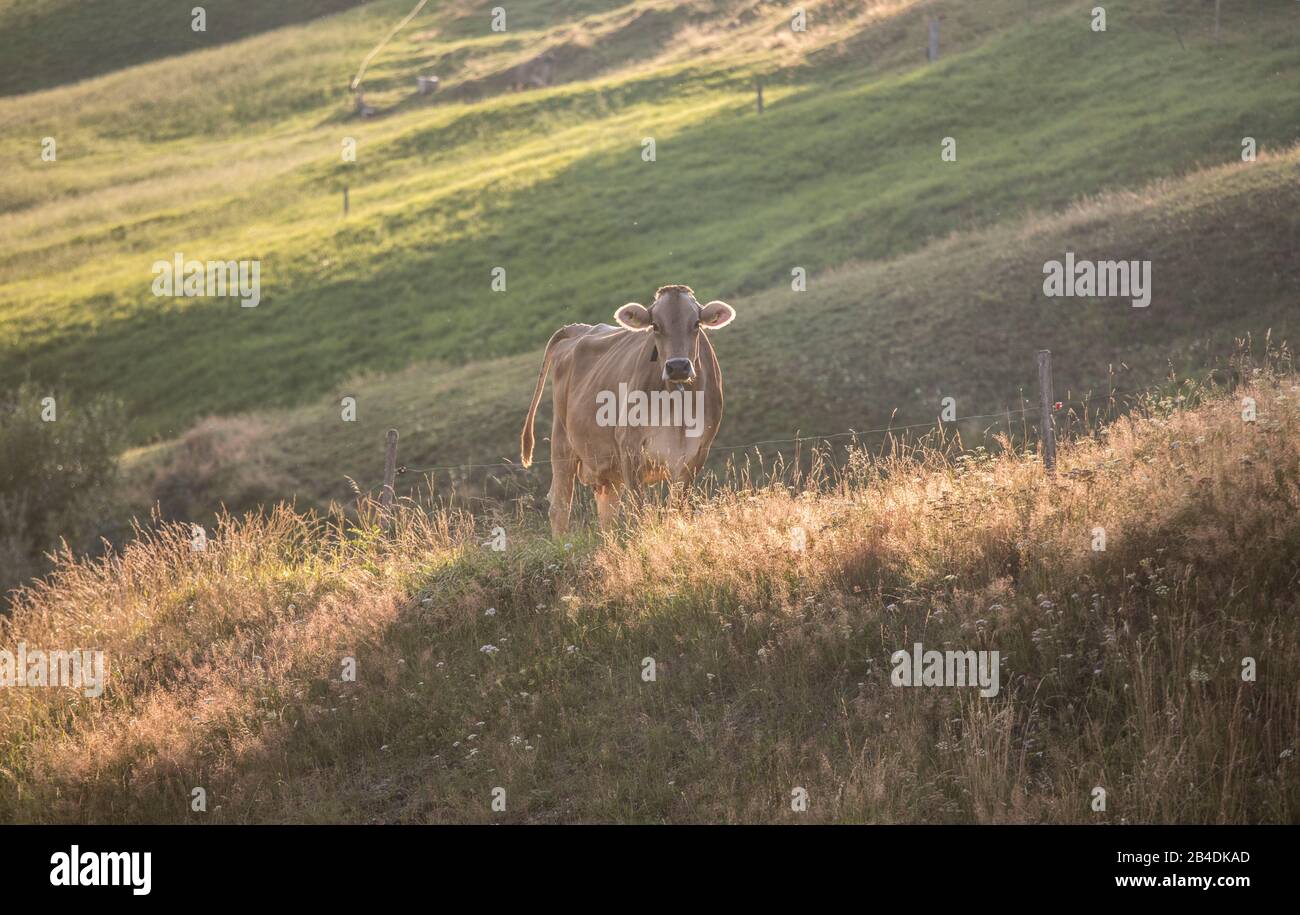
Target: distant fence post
x=390, y=471
x=1045, y=401
x=758, y=87
x=345, y=200
x=932, y=53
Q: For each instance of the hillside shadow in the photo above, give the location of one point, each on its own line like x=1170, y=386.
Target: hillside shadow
x=62, y=41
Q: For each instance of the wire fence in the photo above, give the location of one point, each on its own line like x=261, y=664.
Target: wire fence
x=799, y=439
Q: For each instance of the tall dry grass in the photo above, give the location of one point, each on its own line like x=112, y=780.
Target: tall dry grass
x=523, y=669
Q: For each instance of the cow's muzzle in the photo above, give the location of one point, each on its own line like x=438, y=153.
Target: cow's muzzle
x=679, y=371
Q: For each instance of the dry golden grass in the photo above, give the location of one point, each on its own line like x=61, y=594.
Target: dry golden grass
x=1121, y=668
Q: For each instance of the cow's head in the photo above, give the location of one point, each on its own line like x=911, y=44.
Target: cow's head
x=675, y=319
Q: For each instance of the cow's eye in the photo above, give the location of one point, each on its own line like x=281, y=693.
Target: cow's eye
x=696, y=327
x=659, y=329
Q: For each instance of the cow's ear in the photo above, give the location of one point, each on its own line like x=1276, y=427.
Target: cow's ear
x=633, y=316
x=716, y=314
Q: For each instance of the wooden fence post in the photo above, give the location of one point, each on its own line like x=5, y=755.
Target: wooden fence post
x=345, y=200
x=1045, y=402
x=390, y=472
x=933, y=52
x=758, y=86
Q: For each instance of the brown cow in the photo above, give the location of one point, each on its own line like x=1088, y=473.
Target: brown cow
x=634, y=404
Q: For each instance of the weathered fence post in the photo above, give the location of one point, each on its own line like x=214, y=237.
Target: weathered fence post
x=390, y=472
x=933, y=53
x=1216, y=21
x=345, y=200
x=758, y=86
x=1045, y=401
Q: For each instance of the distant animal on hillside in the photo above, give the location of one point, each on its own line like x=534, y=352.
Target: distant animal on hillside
x=636, y=403
x=535, y=73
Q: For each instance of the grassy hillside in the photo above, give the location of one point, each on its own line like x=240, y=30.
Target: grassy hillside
x=51, y=42
x=205, y=154
x=522, y=669
x=772, y=602
x=865, y=347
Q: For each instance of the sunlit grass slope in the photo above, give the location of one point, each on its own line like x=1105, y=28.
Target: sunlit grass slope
x=523, y=669
x=209, y=155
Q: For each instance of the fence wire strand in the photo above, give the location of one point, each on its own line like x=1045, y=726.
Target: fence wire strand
x=514, y=465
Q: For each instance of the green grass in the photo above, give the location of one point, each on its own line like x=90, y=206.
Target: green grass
x=216, y=159
x=52, y=42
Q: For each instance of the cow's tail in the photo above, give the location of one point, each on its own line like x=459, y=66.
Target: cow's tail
x=527, y=439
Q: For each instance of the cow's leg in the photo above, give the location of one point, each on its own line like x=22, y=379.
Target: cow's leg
x=607, y=499
x=564, y=470
x=560, y=499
